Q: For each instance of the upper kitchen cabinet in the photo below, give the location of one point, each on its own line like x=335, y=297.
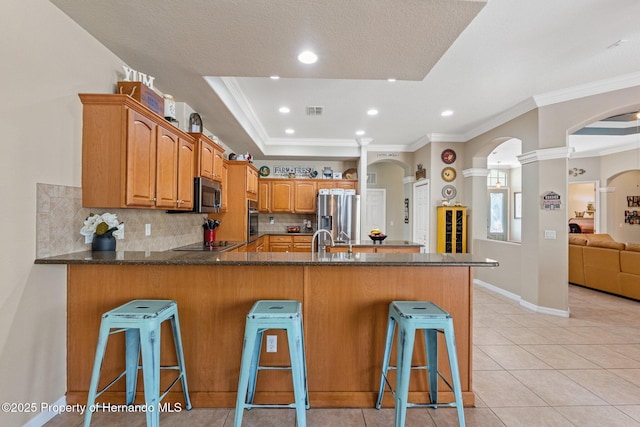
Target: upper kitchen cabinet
x=249, y=182
x=282, y=194
x=304, y=197
x=209, y=161
x=295, y=195
x=133, y=158
x=345, y=184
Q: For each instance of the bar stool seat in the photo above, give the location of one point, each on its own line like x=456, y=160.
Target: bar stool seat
x=264, y=315
x=409, y=317
x=140, y=320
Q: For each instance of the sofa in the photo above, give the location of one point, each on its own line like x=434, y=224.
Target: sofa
x=597, y=261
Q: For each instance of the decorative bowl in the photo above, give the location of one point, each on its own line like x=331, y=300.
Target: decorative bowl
x=377, y=238
x=293, y=229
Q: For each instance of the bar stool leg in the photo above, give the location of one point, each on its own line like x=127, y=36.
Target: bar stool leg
x=406, y=339
x=431, y=341
x=250, y=340
x=177, y=340
x=304, y=363
x=294, y=339
x=132, y=357
x=391, y=325
x=455, y=373
x=150, y=341
x=255, y=362
x=103, y=336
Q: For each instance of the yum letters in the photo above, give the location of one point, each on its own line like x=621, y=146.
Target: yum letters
x=131, y=75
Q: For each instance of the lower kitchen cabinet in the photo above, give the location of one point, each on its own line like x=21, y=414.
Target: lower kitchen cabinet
x=292, y=243
x=302, y=243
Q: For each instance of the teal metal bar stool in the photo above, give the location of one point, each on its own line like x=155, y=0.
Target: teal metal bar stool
x=140, y=320
x=411, y=316
x=264, y=315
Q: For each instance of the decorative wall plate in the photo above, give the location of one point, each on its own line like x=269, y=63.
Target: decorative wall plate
x=264, y=171
x=448, y=174
x=448, y=156
x=449, y=192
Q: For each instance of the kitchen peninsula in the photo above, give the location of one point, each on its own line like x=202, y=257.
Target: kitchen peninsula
x=345, y=299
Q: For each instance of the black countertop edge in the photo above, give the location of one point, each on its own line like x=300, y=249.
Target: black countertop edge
x=269, y=258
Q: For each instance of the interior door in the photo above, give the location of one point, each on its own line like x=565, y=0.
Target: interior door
x=421, y=214
x=376, y=213
x=498, y=218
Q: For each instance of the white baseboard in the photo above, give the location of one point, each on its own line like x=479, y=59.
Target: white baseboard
x=45, y=416
x=525, y=304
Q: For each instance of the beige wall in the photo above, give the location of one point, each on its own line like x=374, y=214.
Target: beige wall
x=50, y=60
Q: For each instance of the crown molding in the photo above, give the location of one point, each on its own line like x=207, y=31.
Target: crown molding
x=232, y=96
x=588, y=89
x=502, y=118
x=545, y=154
x=481, y=172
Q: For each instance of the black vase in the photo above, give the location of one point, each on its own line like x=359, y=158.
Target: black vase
x=103, y=243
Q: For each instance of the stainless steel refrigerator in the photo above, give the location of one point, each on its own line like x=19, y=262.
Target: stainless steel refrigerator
x=340, y=215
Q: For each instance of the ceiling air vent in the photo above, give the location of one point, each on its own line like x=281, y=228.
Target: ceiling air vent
x=314, y=111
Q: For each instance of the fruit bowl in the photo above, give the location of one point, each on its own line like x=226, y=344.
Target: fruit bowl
x=377, y=237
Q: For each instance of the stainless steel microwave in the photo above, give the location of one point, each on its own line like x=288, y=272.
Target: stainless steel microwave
x=207, y=196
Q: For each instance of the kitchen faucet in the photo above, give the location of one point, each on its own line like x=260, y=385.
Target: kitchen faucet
x=346, y=235
x=313, y=239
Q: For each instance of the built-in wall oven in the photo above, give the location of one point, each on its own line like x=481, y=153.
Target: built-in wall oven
x=252, y=220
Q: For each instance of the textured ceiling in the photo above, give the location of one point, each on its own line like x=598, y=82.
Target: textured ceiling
x=486, y=61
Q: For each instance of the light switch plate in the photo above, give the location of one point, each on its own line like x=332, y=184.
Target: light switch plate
x=550, y=234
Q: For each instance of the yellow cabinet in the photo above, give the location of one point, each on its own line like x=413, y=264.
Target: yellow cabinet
x=452, y=229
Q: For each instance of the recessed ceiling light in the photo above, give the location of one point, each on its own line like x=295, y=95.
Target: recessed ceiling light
x=284, y=110
x=290, y=131
x=359, y=132
x=274, y=77
x=391, y=80
x=372, y=112
x=307, y=57
x=446, y=113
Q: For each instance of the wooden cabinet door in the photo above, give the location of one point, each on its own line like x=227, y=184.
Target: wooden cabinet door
x=207, y=158
x=224, y=181
x=141, y=160
x=252, y=183
x=166, y=169
x=264, y=190
x=347, y=185
x=282, y=196
x=218, y=162
x=304, y=198
x=186, y=173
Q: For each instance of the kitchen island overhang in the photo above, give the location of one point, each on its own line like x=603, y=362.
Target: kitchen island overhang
x=345, y=299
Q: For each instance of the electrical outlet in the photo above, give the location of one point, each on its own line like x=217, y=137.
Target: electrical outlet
x=272, y=343
x=147, y=229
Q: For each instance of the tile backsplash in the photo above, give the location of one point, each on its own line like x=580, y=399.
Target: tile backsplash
x=60, y=215
x=281, y=221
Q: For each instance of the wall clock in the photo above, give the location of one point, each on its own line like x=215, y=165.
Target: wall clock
x=448, y=174
x=448, y=156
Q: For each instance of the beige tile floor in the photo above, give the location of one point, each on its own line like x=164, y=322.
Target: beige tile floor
x=529, y=370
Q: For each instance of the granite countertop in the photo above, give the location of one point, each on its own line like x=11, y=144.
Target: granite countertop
x=171, y=257
x=369, y=242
